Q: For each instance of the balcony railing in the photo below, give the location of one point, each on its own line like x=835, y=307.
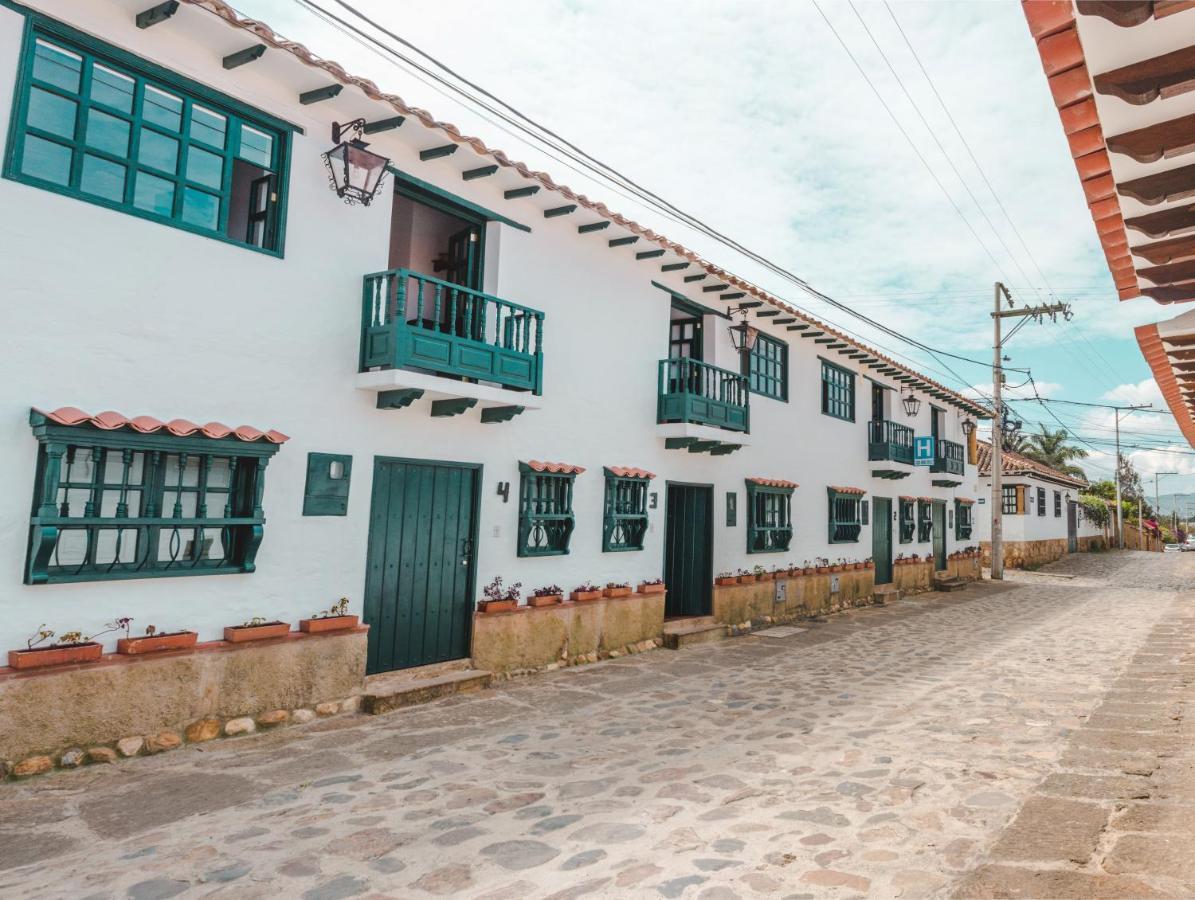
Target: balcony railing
x=948, y=457
x=693, y=391
x=409, y=320
x=889, y=440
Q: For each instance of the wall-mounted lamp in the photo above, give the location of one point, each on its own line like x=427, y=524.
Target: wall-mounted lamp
x=354, y=172
x=968, y=427
x=743, y=336
x=911, y=403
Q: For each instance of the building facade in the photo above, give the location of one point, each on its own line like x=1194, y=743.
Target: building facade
x=230, y=396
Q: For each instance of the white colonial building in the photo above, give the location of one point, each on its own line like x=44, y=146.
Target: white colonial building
x=228, y=395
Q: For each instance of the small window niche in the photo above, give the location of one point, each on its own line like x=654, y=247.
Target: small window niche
x=327, y=490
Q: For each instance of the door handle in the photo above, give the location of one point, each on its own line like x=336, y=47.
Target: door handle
x=466, y=551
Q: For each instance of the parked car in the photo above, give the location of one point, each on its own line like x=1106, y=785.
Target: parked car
x=1173, y=548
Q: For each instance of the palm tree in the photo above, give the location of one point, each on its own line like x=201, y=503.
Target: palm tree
x=1051, y=448
x=1015, y=441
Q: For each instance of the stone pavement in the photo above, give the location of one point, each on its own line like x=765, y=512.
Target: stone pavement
x=1024, y=739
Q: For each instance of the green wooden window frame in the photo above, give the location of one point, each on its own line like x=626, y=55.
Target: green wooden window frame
x=624, y=526
x=769, y=518
x=1041, y=501
x=97, y=124
x=846, y=516
x=907, y=521
x=1008, y=497
x=111, y=505
x=838, y=392
x=1058, y=504
x=546, y=518
x=925, y=521
x=766, y=367
x=962, y=520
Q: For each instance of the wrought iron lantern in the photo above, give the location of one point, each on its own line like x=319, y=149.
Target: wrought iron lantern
x=911, y=403
x=354, y=172
x=968, y=427
x=743, y=336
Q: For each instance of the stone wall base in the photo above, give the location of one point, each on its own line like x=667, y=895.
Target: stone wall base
x=527, y=639
x=1023, y=554
x=125, y=706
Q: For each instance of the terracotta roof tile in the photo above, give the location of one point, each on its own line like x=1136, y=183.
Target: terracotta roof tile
x=555, y=468
x=268, y=36
x=113, y=421
x=1012, y=463
x=847, y=490
x=774, y=482
x=966, y=500
x=907, y=499
x=628, y=472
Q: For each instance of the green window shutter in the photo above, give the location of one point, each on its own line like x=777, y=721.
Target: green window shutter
x=117, y=504
x=766, y=367
x=838, y=392
x=100, y=125
x=907, y=521
x=546, y=519
x=624, y=526
x=925, y=521
x=769, y=518
x=326, y=492
x=846, y=516
x=962, y=520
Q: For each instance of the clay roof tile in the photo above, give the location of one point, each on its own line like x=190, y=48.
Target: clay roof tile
x=113, y=421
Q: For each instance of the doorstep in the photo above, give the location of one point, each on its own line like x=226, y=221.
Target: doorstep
x=688, y=632
x=946, y=584
x=388, y=691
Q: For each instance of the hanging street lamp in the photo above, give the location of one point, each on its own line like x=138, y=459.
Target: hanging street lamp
x=354, y=172
x=968, y=427
x=743, y=335
x=911, y=403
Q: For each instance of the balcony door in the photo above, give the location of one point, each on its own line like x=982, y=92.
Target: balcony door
x=877, y=402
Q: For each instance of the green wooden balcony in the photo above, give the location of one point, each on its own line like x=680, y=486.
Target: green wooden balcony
x=889, y=441
x=696, y=392
x=411, y=320
x=948, y=457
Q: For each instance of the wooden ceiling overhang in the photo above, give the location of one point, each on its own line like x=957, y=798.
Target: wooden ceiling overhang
x=1122, y=75
x=1169, y=349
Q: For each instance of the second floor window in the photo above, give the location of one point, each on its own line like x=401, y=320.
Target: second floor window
x=766, y=367
x=99, y=125
x=838, y=392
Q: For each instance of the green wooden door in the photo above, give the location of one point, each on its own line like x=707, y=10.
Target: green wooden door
x=939, y=511
x=419, y=566
x=688, y=549
x=881, y=538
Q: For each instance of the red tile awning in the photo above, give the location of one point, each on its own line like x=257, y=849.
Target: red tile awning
x=114, y=421
x=847, y=490
x=629, y=472
x=554, y=468
x=773, y=482
x=964, y=500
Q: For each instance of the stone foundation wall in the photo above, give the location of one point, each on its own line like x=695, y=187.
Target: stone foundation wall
x=1019, y=554
x=531, y=639
x=805, y=595
x=129, y=705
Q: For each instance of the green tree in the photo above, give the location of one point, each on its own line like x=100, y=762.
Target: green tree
x=1050, y=448
x=1130, y=487
x=1015, y=441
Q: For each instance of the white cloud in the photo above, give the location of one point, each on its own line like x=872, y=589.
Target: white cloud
x=1146, y=391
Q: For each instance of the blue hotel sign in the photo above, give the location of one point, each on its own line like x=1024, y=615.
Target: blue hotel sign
x=923, y=451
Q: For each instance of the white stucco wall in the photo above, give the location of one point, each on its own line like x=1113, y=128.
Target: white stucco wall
x=1030, y=526
x=102, y=310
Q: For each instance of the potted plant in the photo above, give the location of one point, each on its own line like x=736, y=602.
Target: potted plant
x=585, y=592
x=335, y=618
x=869, y=563
x=499, y=598
x=652, y=586
x=744, y=576
x=823, y=565
x=616, y=589
x=256, y=629
x=837, y=567
x=725, y=579
x=807, y=568
x=761, y=574
x=154, y=641
x=548, y=595
x=71, y=647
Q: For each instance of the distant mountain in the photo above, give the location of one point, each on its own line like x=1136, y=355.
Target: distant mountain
x=1184, y=503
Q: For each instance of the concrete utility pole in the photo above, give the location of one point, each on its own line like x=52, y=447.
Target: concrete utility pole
x=1039, y=313
x=1119, y=511
x=1157, y=504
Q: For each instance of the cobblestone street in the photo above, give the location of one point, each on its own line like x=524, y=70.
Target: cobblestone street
x=1024, y=739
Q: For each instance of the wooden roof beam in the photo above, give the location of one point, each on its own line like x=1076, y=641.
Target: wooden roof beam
x=1163, y=252
x=1145, y=81
x=1164, y=223
x=1162, y=140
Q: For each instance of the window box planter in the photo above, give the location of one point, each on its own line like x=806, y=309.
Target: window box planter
x=535, y=601
x=55, y=655
x=727, y=581
x=766, y=576
x=585, y=596
x=616, y=592
x=157, y=643
x=869, y=565
x=821, y=570
x=327, y=623
x=240, y=634
x=496, y=606
x=809, y=571
x=652, y=588
x=835, y=568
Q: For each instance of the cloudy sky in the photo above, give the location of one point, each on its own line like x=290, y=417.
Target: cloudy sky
x=756, y=119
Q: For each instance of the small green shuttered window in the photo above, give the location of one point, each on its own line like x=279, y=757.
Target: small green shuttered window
x=766, y=367
x=962, y=520
x=908, y=521
x=838, y=392
x=925, y=521
x=100, y=125
x=625, y=523
x=769, y=518
x=546, y=519
x=846, y=516
x=116, y=504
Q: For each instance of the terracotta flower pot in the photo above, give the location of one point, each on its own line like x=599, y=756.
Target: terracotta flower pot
x=157, y=643
x=240, y=634
x=585, y=596
x=766, y=576
x=55, y=655
x=496, y=606
x=835, y=568
x=328, y=623
x=869, y=565
x=652, y=588
x=822, y=570
x=808, y=571
x=616, y=592
x=746, y=579
x=537, y=600
x=726, y=582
